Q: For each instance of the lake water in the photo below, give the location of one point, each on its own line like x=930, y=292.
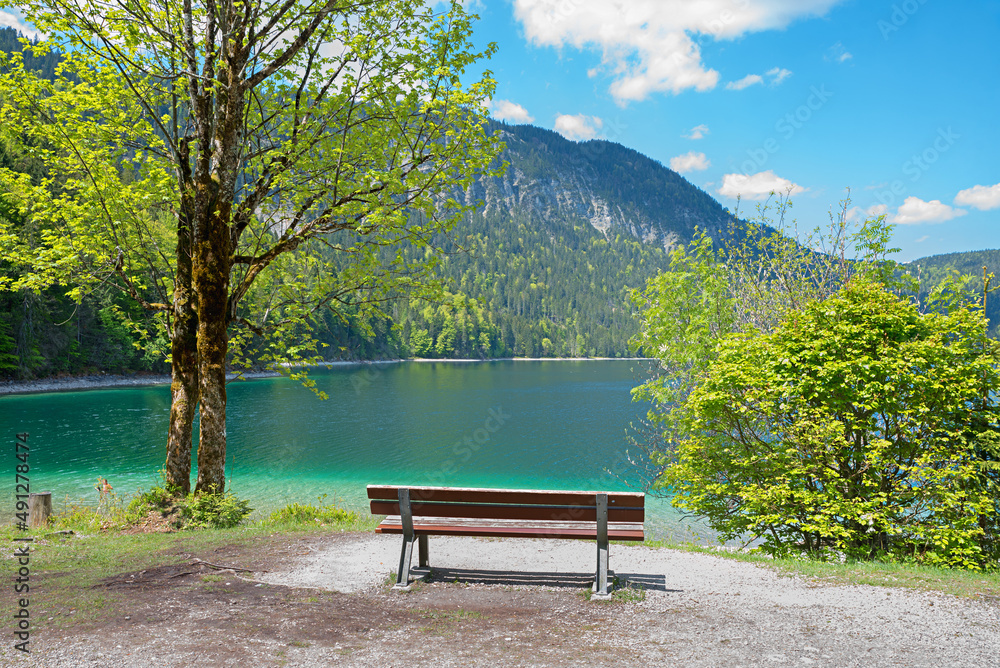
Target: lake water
x=512, y=424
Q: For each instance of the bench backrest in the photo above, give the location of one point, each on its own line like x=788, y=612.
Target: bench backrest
x=514, y=504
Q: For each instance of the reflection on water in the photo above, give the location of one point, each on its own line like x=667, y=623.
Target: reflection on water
x=544, y=425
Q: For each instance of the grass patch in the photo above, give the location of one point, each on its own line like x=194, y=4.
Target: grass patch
x=447, y=615
x=621, y=592
x=444, y=622
x=884, y=574
x=298, y=514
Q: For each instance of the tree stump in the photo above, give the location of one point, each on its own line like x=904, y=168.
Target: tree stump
x=39, y=508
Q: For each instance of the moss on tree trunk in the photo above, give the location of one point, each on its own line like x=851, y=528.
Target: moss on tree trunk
x=211, y=285
x=184, y=369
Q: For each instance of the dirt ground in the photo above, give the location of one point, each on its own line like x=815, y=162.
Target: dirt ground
x=681, y=609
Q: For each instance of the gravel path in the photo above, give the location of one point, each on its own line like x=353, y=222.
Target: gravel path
x=509, y=602
x=734, y=613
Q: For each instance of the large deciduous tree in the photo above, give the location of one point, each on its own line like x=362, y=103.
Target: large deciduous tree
x=262, y=140
x=859, y=426
x=802, y=400
x=746, y=282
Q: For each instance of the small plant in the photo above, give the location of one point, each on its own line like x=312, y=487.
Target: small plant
x=110, y=512
x=77, y=517
x=213, y=511
x=302, y=513
x=628, y=594
x=157, y=498
x=621, y=592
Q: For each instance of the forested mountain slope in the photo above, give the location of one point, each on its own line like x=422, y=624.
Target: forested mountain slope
x=933, y=269
x=10, y=42
x=542, y=265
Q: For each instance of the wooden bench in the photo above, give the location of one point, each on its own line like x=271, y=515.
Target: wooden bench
x=419, y=512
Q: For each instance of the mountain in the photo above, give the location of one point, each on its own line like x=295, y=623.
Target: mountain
x=543, y=265
x=933, y=269
x=615, y=189
x=45, y=65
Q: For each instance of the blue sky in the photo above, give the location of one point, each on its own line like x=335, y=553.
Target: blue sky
x=897, y=100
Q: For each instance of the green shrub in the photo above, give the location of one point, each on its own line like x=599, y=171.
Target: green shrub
x=157, y=498
x=213, y=511
x=110, y=514
x=859, y=428
x=301, y=513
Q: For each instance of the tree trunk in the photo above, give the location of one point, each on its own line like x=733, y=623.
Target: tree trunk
x=211, y=285
x=184, y=368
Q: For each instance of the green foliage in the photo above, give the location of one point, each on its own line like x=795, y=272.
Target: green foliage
x=801, y=401
x=304, y=513
x=744, y=282
x=110, y=514
x=686, y=309
x=858, y=427
x=157, y=498
x=935, y=270
x=194, y=511
x=44, y=63
x=421, y=344
x=8, y=355
x=214, y=511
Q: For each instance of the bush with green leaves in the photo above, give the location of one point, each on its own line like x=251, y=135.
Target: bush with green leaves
x=858, y=427
x=213, y=511
x=157, y=498
x=302, y=513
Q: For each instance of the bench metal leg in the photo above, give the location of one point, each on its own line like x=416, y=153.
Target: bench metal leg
x=406, y=555
x=425, y=555
x=601, y=580
x=403, y=573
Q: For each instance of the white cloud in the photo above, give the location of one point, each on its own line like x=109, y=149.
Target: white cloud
x=9, y=20
x=914, y=211
x=854, y=213
x=983, y=198
x=505, y=110
x=775, y=76
x=923, y=238
x=837, y=54
x=877, y=210
x=697, y=132
x=579, y=127
x=689, y=162
x=745, y=82
x=757, y=186
x=652, y=46
x=778, y=74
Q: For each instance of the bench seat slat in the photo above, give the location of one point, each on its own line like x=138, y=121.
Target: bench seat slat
x=513, y=512
x=510, y=496
x=459, y=526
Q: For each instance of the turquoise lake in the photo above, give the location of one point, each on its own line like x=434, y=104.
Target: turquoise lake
x=513, y=424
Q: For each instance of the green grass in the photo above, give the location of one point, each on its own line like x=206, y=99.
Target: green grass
x=447, y=615
x=906, y=576
x=621, y=592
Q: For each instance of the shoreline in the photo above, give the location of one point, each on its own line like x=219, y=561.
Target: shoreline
x=108, y=381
